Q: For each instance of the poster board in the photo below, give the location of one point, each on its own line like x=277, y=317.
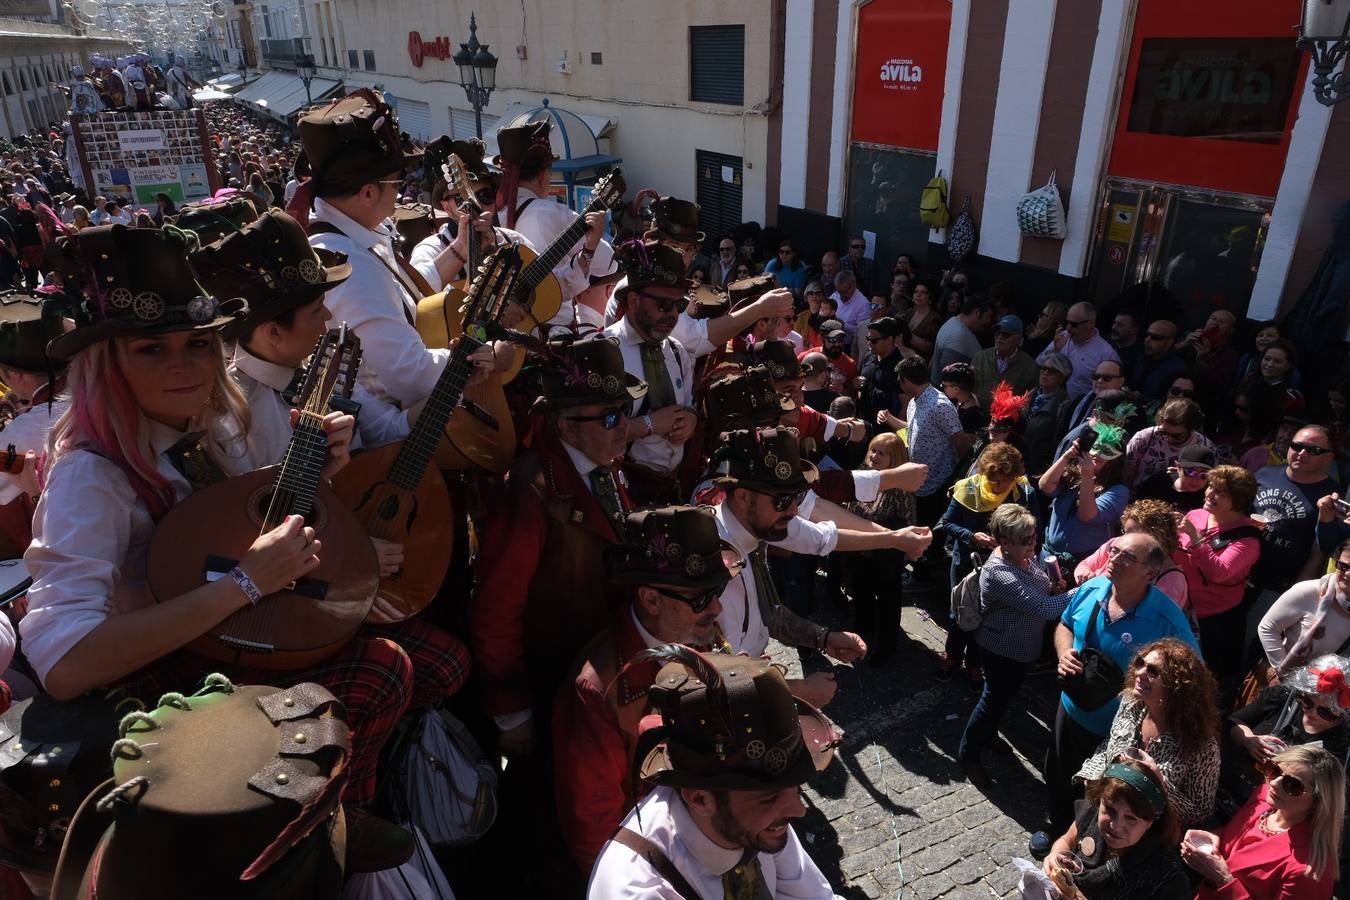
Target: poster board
x=129, y=157
x=900, y=74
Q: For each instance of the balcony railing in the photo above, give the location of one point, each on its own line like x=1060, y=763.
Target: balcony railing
x=282, y=53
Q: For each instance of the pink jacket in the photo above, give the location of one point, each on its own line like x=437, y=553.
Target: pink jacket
x=1172, y=582
x=1217, y=578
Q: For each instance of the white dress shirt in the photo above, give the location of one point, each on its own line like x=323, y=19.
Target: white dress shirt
x=423, y=256
x=663, y=819
x=91, y=534
x=741, y=621
x=654, y=451
x=853, y=310
x=28, y=431
x=269, y=431
x=541, y=223
x=376, y=303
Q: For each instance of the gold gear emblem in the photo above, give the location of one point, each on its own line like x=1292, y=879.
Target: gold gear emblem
x=290, y=273
x=148, y=305
x=120, y=298
x=674, y=550
x=693, y=566
x=611, y=384
x=783, y=471
x=778, y=372
x=594, y=380
x=755, y=749
x=309, y=271
x=770, y=459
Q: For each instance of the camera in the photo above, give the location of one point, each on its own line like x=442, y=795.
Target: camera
x=1083, y=443
x=1342, y=506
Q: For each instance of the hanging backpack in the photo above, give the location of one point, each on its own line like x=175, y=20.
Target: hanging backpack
x=967, y=606
x=1041, y=212
x=933, y=210
x=962, y=236
x=440, y=780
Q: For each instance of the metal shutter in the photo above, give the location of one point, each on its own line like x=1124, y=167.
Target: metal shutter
x=719, y=200
x=462, y=125
x=717, y=64
x=414, y=117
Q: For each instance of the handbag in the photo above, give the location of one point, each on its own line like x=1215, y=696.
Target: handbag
x=1041, y=212
x=961, y=236
x=1100, y=681
x=440, y=781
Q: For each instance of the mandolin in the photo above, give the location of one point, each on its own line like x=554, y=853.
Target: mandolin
x=203, y=537
x=396, y=493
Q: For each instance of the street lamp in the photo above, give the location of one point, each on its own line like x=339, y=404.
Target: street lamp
x=1326, y=33
x=477, y=73
x=306, y=69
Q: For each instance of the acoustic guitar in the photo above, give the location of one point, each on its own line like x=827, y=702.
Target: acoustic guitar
x=394, y=490
x=204, y=537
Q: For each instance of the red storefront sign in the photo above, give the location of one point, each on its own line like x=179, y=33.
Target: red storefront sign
x=900, y=71
x=420, y=49
x=1211, y=94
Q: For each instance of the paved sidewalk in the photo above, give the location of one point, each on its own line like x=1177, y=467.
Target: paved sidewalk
x=893, y=817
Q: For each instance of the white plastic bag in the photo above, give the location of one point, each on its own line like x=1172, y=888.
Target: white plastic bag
x=1035, y=884
x=420, y=878
x=1041, y=212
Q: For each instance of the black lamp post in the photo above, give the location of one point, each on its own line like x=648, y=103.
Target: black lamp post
x=306, y=69
x=477, y=73
x=1326, y=32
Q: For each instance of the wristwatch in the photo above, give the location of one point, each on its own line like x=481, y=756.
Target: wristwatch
x=651, y=429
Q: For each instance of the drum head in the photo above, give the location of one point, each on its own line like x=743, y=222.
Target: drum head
x=14, y=580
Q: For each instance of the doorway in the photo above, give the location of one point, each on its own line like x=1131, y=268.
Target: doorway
x=718, y=189
x=1204, y=247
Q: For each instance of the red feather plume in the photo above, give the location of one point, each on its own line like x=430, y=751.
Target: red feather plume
x=1006, y=405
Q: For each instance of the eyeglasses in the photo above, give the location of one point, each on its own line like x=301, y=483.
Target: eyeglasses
x=784, y=251
x=390, y=181
x=1195, y=473
x=1312, y=706
x=1273, y=773
x=727, y=248
x=1119, y=553
x=1176, y=437
x=857, y=246
x=832, y=339
x=1342, y=567
x=1157, y=337
x=1072, y=324
x=875, y=340
x=784, y=502
x=663, y=304
x=1105, y=376
x=610, y=419
x=1180, y=392
x=1152, y=670
x=1309, y=449
x=698, y=603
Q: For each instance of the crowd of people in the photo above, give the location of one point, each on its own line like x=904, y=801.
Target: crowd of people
x=572, y=508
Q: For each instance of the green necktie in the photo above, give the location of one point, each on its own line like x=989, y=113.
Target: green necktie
x=660, y=392
x=745, y=881
x=607, y=494
x=765, y=590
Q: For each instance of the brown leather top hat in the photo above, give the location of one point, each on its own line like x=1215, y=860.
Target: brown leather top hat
x=212, y=219
x=28, y=323
x=766, y=460
x=470, y=152
x=677, y=546
x=271, y=265
x=353, y=141
x=779, y=357
x=414, y=223
x=748, y=290
x=710, y=301
x=730, y=723
x=232, y=792
x=676, y=220
x=134, y=281
x=745, y=399
x=526, y=147
x=651, y=263
x=589, y=372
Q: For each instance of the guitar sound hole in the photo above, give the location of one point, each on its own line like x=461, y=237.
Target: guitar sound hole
x=261, y=499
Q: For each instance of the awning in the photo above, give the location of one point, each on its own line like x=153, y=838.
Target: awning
x=293, y=102
x=262, y=88
x=280, y=94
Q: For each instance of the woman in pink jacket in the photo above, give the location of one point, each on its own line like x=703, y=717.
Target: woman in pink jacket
x=1219, y=545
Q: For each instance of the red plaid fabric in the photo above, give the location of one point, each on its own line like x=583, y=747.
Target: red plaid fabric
x=380, y=675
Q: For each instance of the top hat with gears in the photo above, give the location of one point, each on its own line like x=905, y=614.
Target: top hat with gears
x=676, y=220
x=134, y=282
x=677, y=546
x=526, y=147
x=589, y=372
x=765, y=460
x=354, y=141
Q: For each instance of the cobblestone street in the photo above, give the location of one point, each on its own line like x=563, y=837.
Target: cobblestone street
x=894, y=817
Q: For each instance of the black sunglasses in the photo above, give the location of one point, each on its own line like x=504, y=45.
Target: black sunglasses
x=1342, y=567
x=610, y=419
x=1103, y=376
x=1152, y=670
x=1180, y=392
x=784, y=502
x=1157, y=337
x=1309, y=449
x=1310, y=705
x=1076, y=324
x=698, y=603
x=663, y=304
x=1273, y=773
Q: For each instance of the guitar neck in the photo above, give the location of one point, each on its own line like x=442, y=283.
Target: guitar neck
x=545, y=262
x=301, y=470
x=420, y=446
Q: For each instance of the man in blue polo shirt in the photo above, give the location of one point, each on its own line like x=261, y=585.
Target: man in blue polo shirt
x=1129, y=612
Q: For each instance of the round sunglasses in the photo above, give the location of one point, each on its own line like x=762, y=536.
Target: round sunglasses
x=1272, y=772
x=698, y=603
x=1311, y=705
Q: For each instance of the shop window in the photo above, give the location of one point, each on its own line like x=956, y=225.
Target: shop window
x=370, y=60
x=717, y=64
x=352, y=61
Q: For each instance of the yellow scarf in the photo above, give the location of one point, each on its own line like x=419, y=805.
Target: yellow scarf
x=975, y=494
